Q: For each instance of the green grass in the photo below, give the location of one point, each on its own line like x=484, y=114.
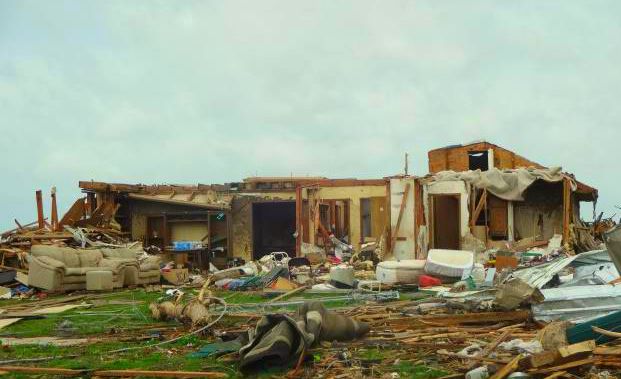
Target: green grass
x=105, y=317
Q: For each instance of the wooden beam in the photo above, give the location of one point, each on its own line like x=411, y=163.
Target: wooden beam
x=508, y=369
x=75, y=213
x=567, y=210
x=479, y=208
x=158, y=374
x=40, y=218
x=54, y=211
x=490, y=348
x=43, y=370
x=298, y=220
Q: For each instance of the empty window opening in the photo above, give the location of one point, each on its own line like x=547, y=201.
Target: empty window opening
x=478, y=160
x=365, y=214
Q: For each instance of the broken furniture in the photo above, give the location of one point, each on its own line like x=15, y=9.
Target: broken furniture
x=63, y=268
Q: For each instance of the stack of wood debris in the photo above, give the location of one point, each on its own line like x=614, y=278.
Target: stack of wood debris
x=497, y=343
x=83, y=225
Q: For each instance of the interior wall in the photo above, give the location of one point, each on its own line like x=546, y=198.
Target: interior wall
x=527, y=217
x=188, y=231
x=241, y=225
x=139, y=210
x=542, y=208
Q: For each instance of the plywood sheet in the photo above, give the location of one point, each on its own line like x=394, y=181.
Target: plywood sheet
x=188, y=231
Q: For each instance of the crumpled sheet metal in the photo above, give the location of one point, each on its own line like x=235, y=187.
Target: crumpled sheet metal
x=539, y=276
x=613, y=243
x=577, y=304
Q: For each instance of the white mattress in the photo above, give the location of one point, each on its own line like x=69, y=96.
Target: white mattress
x=450, y=263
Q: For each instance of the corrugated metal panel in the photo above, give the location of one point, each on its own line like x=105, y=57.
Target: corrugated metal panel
x=578, y=304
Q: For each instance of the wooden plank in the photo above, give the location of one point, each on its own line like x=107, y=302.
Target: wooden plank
x=159, y=374
x=565, y=366
x=42, y=370
x=479, y=208
x=40, y=218
x=508, y=369
x=490, y=348
x=577, y=348
x=54, y=211
x=75, y=213
x=404, y=200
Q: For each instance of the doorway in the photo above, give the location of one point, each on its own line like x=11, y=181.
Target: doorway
x=446, y=220
x=273, y=228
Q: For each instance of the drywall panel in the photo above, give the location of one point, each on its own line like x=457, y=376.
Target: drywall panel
x=405, y=244
x=188, y=231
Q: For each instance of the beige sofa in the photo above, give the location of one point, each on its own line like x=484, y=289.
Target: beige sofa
x=63, y=268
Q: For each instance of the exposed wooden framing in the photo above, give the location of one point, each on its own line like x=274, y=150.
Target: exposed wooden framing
x=40, y=218
x=477, y=210
x=508, y=369
x=54, y=211
x=43, y=370
x=192, y=195
x=567, y=210
x=490, y=348
x=404, y=199
x=159, y=374
x=75, y=213
x=175, y=201
x=298, y=221
x=332, y=216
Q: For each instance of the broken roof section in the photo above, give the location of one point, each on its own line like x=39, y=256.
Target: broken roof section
x=486, y=156
x=213, y=197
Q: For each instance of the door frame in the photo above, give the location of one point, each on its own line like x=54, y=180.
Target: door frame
x=432, y=231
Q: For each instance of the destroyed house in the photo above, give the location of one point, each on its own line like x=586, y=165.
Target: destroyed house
x=482, y=194
x=247, y=219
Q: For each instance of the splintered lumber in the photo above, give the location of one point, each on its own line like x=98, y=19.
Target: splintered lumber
x=159, y=374
x=560, y=356
x=508, y=369
x=604, y=350
x=478, y=318
x=577, y=348
x=43, y=370
x=556, y=375
x=490, y=348
x=565, y=366
x=288, y=294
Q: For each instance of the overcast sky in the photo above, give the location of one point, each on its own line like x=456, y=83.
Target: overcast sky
x=215, y=91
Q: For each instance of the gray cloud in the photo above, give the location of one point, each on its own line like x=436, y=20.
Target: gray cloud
x=206, y=91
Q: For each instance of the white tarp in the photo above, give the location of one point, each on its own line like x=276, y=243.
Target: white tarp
x=506, y=184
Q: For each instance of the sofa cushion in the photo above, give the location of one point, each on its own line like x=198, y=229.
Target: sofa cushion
x=66, y=255
x=89, y=258
x=76, y=271
x=123, y=253
x=49, y=261
x=114, y=264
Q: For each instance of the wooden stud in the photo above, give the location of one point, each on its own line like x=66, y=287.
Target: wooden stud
x=40, y=218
